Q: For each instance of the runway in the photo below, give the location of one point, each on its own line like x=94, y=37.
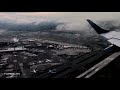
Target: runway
x=99, y=66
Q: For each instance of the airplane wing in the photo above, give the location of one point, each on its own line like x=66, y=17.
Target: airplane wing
x=112, y=36
x=97, y=28
x=115, y=42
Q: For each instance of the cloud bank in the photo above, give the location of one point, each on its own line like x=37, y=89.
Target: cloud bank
x=73, y=21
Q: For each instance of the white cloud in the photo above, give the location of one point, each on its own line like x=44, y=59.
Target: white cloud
x=72, y=20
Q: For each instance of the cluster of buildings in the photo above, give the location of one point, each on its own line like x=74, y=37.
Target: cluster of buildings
x=24, y=59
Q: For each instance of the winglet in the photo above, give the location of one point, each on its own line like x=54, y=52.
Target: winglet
x=98, y=29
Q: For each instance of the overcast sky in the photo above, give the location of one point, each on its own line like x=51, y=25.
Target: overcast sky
x=73, y=20
x=70, y=16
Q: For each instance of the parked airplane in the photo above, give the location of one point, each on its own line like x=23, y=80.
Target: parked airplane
x=112, y=36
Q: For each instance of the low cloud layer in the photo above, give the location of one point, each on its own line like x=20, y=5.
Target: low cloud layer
x=71, y=21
